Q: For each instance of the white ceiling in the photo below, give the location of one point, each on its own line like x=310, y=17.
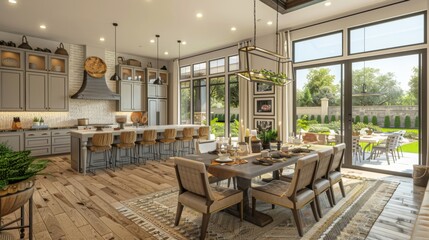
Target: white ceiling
x=85, y=21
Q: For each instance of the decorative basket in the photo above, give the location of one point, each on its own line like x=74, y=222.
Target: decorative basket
x=134, y=62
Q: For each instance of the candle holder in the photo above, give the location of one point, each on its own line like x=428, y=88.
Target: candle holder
x=279, y=144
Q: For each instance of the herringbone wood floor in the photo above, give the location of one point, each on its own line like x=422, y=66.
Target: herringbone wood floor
x=68, y=205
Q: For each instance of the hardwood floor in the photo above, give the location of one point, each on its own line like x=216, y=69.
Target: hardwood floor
x=68, y=205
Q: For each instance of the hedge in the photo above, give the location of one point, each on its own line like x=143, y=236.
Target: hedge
x=333, y=118
x=357, y=119
x=326, y=120
x=417, y=122
x=397, y=122
x=374, y=120
x=365, y=119
x=319, y=119
x=387, y=121
x=407, y=122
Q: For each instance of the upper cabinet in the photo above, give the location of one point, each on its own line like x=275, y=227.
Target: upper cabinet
x=134, y=73
x=152, y=74
x=11, y=58
x=46, y=63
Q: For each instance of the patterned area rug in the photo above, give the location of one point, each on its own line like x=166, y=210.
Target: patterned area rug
x=351, y=218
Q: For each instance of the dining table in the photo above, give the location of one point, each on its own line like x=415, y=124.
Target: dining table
x=371, y=140
x=245, y=172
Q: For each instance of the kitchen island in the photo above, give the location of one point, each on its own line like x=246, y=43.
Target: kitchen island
x=80, y=139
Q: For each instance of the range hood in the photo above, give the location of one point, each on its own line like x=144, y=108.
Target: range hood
x=95, y=89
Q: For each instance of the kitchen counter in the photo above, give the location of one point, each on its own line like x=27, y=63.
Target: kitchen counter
x=80, y=139
x=36, y=129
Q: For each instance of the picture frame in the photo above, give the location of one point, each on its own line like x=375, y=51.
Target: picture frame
x=267, y=123
x=264, y=106
x=263, y=88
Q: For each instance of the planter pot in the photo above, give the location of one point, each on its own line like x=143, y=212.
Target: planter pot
x=36, y=123
x=420, y=175
x=266, y=146
x=15, y=195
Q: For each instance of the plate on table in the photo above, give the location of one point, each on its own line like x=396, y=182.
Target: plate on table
x=223, y=160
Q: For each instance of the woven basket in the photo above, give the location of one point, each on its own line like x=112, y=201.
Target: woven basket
x=15, y=196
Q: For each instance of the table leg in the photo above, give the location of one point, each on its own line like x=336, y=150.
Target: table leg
x=364, y=150
x=259, y=219
x=84, y=155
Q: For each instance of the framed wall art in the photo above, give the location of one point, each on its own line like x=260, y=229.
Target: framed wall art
x=264, y=106
x=263, y=88
x=264, y=123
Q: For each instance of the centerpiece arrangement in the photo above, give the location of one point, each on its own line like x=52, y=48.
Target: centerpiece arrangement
x=267, y=136
x=266, y=76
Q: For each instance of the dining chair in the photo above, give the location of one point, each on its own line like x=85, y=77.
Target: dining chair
x=389, y=146
x=293, y=195
x=401, y=141
x=334, y=172
x=321, y=182
x=356, y=148
x=196, y=193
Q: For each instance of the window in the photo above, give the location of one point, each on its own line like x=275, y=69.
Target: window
x=234, y=106
x=217, y=106
x=326, y=46
x=200, y=101
x=185, y=102
x=390, y=34
x=233, y=62
x=185, y=72
x=217, y=66
x=200, y=69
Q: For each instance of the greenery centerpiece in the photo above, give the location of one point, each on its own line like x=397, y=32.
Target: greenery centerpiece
x=267, y=136
x=266, y=76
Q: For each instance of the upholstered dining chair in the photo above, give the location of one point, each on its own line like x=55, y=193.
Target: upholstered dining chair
x=334, y=173
x=294, y=195
x=321, y=182
x=195, y=192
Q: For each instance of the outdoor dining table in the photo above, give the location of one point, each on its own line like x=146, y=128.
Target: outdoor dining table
x=371, y=140
x=244, y=174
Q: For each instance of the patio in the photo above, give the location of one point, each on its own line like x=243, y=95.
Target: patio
x=403, y=164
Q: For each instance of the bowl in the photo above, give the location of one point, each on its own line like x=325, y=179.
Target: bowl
x=223, y=156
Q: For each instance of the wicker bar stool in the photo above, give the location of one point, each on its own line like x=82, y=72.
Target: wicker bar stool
x=101, y=143
x=203, y=134
x=170, y=140
x=149, y=141
x=187, y=137
x=126, y=142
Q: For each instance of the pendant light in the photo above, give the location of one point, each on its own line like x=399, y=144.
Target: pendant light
x=115, y=76
x=157, y=79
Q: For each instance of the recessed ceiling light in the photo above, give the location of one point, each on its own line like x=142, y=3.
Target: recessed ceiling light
x=233, y=29
x=165, y=53
x=199, y=15
x=43, y=26
x=184, y=42
x=270, y=23
x=12, y=1
x=102, y=39
x=152, y=41
x=327, y=4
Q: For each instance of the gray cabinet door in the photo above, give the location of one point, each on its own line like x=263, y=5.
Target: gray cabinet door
x=152, y=111
x=57, y=93
x=163, y=110
x=11, y=90
x=138, y=97
x=126, y=92
x=162, y=91
x=36, y=91
x=13, y=140
x=152, y=91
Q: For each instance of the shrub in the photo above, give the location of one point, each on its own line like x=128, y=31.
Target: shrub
x=374, y=120
x=365, y=119
x=312, y=117
x=333, y=118
x=357, y=119
x=397, y=122
x=407, y=122
x=319, y=128
x=319, y=119
x=232, y=118
x=387, y=121
x=326, y=120
x=417, y=122
x=360, y=125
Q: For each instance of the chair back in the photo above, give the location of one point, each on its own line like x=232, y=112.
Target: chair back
x=149, y=135
x=170, y=133
x=102, y=139
x=337, y=158
x=188, y=133
x=127, y=137
x=325, y=158
x=392, y=141
x=305, y=171
x=192, y=177
x=205, y=146
x=203, y=132
x=355, y=143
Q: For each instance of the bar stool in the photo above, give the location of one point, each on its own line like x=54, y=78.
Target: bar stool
x=101, y=142
x=187, y=137
x=126, y=142
x=170, y=140
x=149, y=141
x=203, y=134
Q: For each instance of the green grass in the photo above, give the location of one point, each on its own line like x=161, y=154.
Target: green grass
x=411, y=147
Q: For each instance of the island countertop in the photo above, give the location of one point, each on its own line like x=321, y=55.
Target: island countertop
x=80, y=139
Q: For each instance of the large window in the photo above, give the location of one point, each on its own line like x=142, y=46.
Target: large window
x=233, y=63
x=217, y=66
x=325, y=46
x=234, y=106
x=200, y=101
x=388, y=34
x=200, y=69
x=217, y=106
x=185, y=72
x=185, y=102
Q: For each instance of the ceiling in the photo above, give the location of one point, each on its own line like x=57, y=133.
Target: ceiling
x=85, y=21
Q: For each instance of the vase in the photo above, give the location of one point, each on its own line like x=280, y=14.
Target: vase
x=266, y=145
x=15, y=195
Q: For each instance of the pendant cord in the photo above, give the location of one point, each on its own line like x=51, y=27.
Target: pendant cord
x=178, y=60
x=254, y=22
x=277, y=27
x=115, y=24
x=157, y=55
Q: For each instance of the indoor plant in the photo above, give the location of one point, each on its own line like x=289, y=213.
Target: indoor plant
x=267, y=136
x=36, y=121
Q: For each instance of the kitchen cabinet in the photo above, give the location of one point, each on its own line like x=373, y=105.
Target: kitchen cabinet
x=46, y=92
x=46, y=63
x=60, y=142
x=11, y=58
x=156, y=91
x=14, y=140
x=132, y=96
x=134, y=73
x=152, y=73
x=12, y=90
x=157, y=111
x=38, y=142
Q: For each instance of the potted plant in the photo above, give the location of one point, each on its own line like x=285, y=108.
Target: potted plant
x=17, y=171
x=41, y=121
x=267, y=136
x=36, y=121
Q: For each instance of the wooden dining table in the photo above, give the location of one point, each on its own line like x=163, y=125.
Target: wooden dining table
x=244, y=174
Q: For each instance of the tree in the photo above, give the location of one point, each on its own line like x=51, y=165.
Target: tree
x=305, y=98
x=376, y=82
x=412, y=96
x=407, y=122
x=387, y=121
x=374, y=120
x=321, y=84
x=397, y=122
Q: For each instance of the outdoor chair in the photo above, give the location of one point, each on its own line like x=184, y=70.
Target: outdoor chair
x=195, y=192
x=356, y=149
x=390, y=146
x=334, y=173
x=401, y=141
x=293, y=195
